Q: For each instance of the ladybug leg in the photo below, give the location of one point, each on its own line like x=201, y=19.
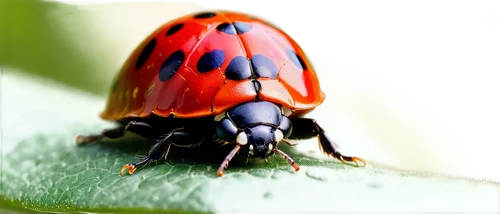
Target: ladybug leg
x=160, y=149
x=305, y=128
x=288, y=159
x=140, y=128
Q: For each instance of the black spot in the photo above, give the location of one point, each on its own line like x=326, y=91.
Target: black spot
x=238, y=69
x=296, y=59
x=242, y=27
x=174, y=29
x=227, y=28
x=235, y=28
x=264, y=67
x=204, y=15
x=171, y=65
x=210, y=60
x=146, y=52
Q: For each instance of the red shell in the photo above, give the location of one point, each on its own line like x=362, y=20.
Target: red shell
x=138, y=90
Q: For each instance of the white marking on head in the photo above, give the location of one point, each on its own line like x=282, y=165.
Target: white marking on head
x=270, y=149
x=278, y=135
x=250, y=148
x=286, y=111
x=220, y=116
x=241, y=138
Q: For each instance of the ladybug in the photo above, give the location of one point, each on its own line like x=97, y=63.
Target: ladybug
x=217, y=78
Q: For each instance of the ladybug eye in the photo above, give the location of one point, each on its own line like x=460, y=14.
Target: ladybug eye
x=270, y=149
x=285, y=127
x=226, y=130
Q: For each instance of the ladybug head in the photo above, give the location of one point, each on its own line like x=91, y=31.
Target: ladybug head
x=256, y=126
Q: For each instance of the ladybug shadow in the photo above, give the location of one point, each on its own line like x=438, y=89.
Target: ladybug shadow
x=132, y=146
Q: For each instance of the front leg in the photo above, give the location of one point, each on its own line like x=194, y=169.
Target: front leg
x=305, y=128
x=177, y=137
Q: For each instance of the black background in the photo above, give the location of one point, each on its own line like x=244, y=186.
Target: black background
x=438, y=50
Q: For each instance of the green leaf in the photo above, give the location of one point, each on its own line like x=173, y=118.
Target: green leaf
x=35, y=39
x=43, y=169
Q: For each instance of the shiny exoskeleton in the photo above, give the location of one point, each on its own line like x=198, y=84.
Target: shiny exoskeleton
x=217, y=78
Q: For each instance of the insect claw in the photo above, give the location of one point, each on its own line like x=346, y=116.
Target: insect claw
x=131, y=169
x=225, y=163
x=356, y=159
x=344, y=159
x=79, y=139
x=85, y=139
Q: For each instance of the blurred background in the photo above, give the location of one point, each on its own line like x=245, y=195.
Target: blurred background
x=79, y=44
